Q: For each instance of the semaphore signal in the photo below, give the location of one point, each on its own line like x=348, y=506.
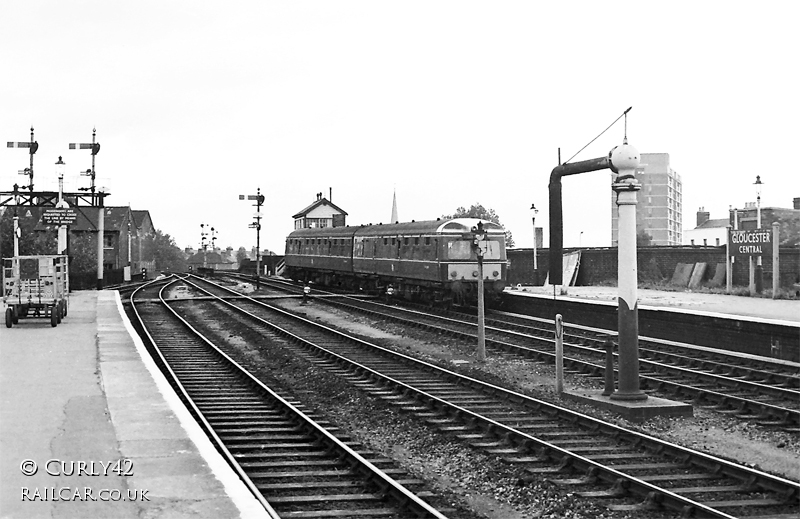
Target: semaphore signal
x=32, y=147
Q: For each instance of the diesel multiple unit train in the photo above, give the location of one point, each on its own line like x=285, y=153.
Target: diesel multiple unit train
x=431, y=261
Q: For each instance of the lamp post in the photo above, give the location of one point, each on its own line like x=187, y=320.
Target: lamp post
x=580, y=240
x=62, y=229
x=534, y=211
x=17, y=232
x=759, y=268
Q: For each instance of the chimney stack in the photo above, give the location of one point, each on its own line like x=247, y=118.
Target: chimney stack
x=702, y=216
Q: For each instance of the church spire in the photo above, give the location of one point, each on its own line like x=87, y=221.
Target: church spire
x=395, y=219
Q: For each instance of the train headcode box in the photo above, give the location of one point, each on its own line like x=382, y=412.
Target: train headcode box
x=59, y=216
x=754, y=242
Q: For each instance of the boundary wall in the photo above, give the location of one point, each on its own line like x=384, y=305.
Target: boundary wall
x=599, y=265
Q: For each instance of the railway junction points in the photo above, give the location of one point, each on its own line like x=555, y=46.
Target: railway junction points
x=87, y=392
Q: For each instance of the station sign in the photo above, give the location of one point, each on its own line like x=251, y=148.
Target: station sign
x=65, y=216
x=753, y=242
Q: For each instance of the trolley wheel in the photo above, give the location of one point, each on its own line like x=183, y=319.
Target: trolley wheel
x=14, y=315
x=64, y=302
x=53, y=317
x=59, y=311
x=9, y=317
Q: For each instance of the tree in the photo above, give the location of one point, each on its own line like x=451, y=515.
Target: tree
x=643, y=239
x=478, y=211
x=241, y=255
x=83, y=252
x=30, y=243
x=167, y=255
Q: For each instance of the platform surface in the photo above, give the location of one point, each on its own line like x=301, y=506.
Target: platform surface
x=787, y=310
x=108, y=437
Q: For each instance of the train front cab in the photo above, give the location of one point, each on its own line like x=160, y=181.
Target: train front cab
x=459, y=260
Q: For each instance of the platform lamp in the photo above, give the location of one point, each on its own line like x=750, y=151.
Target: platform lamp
x=534, y=211
x=759, y=268
x=17, y=231
x=61, y=204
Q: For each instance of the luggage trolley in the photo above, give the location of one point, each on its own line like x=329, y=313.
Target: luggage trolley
x=35, y=286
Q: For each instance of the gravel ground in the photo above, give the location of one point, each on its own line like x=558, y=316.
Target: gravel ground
x=475, y=484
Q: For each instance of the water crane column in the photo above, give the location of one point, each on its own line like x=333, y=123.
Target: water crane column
x=624, y=161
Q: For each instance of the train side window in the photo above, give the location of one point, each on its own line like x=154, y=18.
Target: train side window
x=405, y=241
x=386, y=241
x=427, y=240
x=416, y=240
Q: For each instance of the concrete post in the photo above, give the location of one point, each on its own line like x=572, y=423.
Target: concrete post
x=776, y=271
x=728, y=263
x=100, y=243
x=559, y=354
x=16, y=236
x=624, y=160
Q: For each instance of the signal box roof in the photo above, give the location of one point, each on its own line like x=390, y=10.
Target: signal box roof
x=317, y=203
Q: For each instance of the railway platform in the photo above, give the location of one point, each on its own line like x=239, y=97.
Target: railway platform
x=683, y=301
x=90, y=429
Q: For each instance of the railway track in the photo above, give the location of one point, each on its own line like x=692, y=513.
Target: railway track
x=294, y=465
x=763, y=390
x=760, y=390
x=630, y=470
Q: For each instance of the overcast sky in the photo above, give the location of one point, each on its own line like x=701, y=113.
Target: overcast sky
x=448, y=103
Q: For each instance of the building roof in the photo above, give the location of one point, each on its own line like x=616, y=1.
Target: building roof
x=140, y=216
x=719, y=222
x=317, y=203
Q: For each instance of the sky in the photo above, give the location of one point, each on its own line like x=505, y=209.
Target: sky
x=445, y=103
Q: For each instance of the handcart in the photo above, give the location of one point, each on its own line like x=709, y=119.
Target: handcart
x=35, y=286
